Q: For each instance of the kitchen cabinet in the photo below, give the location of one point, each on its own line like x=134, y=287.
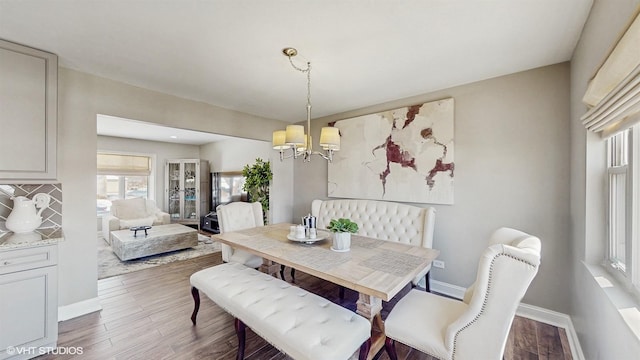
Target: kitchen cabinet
x=28, y=296
x=28, y=115
x=187, y=190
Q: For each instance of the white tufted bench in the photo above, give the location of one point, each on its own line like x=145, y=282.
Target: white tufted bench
x=383, y=220
x=295, y=321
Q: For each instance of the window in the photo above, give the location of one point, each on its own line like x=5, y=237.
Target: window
x=614, y=112
x=617, y=171
x=227, y=187
x=623, y=182
x=121, y=176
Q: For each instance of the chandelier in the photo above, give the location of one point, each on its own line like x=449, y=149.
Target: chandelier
x=295, y=138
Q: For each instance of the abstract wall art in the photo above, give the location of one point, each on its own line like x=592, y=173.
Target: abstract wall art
x=403, y=155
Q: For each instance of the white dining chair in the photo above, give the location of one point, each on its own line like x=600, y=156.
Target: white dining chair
x=239, y=216
x=478, y=326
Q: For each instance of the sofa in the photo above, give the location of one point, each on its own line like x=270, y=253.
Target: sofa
x=126, y=213
x=382, y=220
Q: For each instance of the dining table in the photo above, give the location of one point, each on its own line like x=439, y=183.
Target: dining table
x=377, y=269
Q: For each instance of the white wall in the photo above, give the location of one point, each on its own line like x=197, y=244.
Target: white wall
x=601, y=328
x=281, y=194
x=234, y=154
x=512, y=169
x=81, y=98
x=162, y=151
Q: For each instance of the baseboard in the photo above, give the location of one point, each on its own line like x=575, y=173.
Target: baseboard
x=447, y=289
x=543, y=315
x=525, y=310
x=556, y=319
x=80, y=308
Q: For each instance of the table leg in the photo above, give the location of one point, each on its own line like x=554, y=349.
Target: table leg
x=269, y=267
x=370, y=307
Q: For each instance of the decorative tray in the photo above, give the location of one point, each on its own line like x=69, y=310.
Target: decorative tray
x=321, y=236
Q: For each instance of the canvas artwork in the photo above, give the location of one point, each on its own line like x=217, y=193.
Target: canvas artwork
x=403, y=155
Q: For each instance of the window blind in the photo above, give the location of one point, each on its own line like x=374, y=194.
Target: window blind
x=613, y=95
x=119, y=164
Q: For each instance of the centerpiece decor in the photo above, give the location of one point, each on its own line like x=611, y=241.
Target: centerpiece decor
x=342, y=229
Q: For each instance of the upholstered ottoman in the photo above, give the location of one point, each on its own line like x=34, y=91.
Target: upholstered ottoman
x=159, y=239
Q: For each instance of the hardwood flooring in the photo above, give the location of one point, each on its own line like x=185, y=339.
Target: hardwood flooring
x=146, y=316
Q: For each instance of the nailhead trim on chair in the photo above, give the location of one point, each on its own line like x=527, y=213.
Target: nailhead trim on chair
x=484, y=301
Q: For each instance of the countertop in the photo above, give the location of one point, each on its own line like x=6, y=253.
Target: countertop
x=39, y=237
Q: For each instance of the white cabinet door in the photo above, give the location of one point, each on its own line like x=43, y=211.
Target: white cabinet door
x=28, y=112
x=28, y=312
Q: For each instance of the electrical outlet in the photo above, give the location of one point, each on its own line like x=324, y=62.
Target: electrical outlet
x=438, y=264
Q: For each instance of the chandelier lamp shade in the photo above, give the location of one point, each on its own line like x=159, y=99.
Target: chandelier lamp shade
x=298, y=139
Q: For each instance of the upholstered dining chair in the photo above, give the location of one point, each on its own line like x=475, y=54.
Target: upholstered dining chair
x=239, y=216
x=478, y=326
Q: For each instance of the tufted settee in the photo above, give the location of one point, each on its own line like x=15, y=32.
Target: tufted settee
x=382, y=220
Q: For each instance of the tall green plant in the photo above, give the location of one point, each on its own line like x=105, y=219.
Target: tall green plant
x=256, y=183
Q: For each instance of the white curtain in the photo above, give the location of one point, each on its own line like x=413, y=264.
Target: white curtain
x=613, y=94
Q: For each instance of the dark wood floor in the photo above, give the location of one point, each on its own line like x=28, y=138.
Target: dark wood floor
x=146, y=316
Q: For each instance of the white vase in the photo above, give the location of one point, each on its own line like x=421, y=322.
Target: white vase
x=341, y=241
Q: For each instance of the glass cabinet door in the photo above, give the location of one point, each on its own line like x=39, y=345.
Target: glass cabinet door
x=190, y=198
x=174, y=193
x=183, y=190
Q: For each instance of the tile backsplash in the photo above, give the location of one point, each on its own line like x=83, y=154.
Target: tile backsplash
x=51, y=216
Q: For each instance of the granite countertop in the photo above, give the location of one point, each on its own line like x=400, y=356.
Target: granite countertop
x=39, y=237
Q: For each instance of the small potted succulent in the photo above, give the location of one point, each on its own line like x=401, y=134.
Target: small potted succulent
x=342, y=229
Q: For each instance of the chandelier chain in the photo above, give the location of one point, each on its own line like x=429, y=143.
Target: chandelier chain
x=309, y=86
x=308, y=72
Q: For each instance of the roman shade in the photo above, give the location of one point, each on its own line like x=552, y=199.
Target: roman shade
x=120, y=164
x=613, y=95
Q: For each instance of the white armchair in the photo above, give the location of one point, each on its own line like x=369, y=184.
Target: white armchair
x=126, y=213
x=478, y=326
x=238, y=216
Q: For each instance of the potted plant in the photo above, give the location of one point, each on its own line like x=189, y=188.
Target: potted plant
x=256, y=183
x=342, y=229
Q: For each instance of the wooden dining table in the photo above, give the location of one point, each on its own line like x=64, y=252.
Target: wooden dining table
x=376, y=269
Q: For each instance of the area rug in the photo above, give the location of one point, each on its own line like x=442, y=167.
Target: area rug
x=109, y=265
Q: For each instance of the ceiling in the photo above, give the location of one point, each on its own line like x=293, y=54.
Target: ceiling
x=127, y=128
x=363, y=52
